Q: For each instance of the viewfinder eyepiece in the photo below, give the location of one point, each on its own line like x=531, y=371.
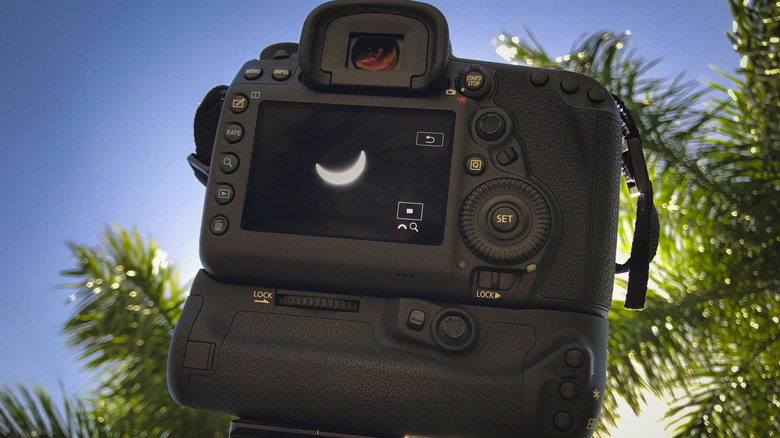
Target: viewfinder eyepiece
x=344, y=44
x=379, y=53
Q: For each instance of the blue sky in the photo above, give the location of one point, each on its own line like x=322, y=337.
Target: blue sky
x=98, y=102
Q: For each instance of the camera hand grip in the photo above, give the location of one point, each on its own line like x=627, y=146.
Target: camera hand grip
x=364, y=372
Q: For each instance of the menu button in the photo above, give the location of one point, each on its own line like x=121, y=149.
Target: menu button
x=253, y=73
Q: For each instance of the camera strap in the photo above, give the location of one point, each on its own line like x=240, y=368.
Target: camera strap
x=205, y=131
x=647, y=227
x=634, y=169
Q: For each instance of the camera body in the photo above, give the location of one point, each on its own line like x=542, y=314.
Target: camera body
x=399, y=242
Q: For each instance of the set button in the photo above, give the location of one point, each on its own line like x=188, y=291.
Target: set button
x=504, y=219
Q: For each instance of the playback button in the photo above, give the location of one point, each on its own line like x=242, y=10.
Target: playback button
x=224, y=194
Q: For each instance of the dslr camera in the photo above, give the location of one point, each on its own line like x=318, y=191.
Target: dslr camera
x=397, y=242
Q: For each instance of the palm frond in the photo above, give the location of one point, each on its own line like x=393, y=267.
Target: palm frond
x=709, y=333
x=29, y=411
x=127, y=299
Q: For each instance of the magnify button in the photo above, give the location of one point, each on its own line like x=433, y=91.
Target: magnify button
x=413, y=226
x=228, y=163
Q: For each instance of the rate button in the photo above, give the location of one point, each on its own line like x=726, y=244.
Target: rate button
x=234, y=133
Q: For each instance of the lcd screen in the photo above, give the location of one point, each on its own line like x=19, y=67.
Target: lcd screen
x=350, y=172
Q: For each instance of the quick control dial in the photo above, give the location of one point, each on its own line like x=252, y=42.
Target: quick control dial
x=505, y=221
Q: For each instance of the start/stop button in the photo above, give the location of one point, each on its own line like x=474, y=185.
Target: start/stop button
x=474, y=81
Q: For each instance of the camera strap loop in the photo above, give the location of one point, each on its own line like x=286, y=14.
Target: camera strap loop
x=204, y=130
x=647, y=226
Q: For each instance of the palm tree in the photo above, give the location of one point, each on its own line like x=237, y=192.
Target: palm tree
x=127, y=300
x=708, y=338
x=29, y=411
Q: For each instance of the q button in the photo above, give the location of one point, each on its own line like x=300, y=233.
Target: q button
x=228, y=163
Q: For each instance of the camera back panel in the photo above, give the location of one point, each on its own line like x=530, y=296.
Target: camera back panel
x=499, y=189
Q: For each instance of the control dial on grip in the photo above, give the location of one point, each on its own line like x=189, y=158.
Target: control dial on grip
x=505, y=221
